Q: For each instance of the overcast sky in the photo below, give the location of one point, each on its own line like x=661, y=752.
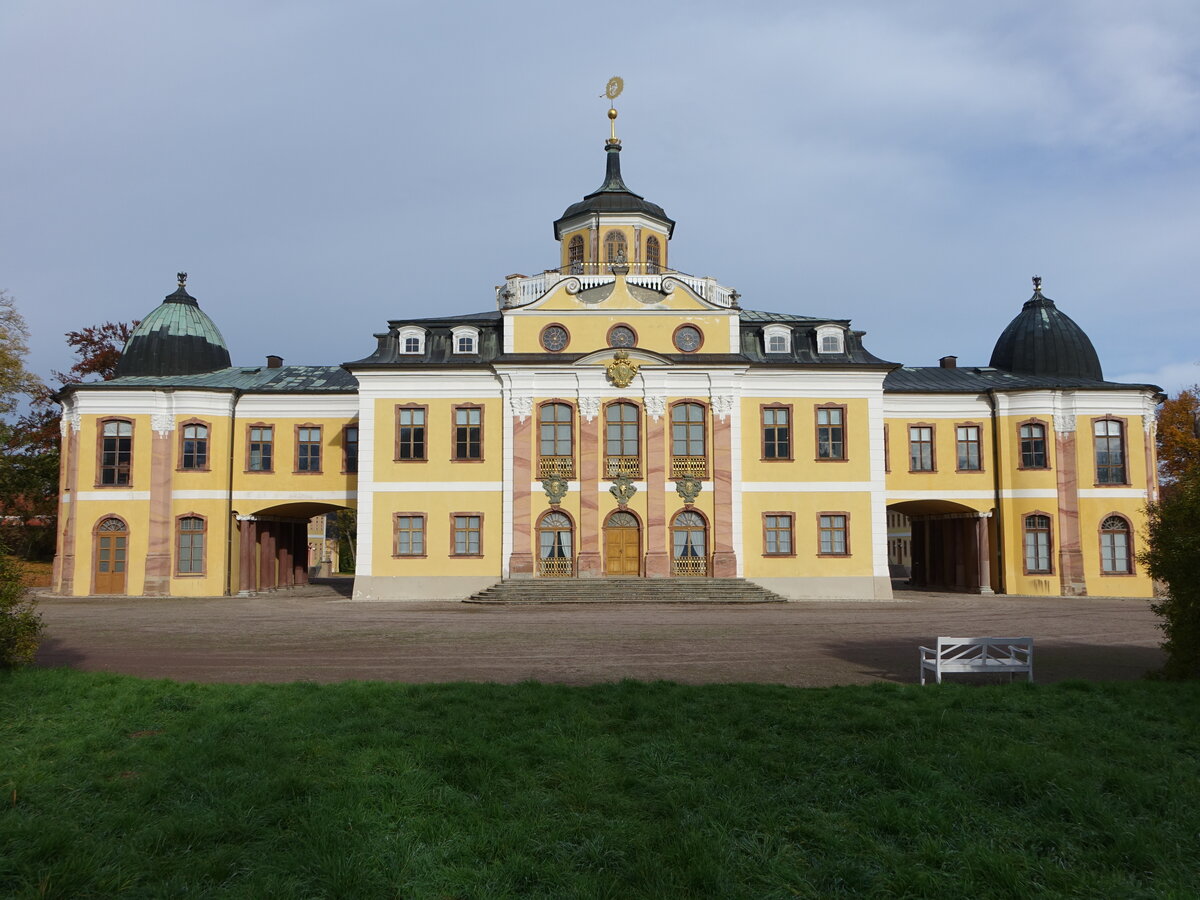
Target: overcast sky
x=321, y=167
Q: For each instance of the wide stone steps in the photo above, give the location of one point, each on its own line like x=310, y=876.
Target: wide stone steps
x=625, y=590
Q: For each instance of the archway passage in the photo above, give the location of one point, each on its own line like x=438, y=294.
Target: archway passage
x=944, y=546
x=622, y=545
x=111, y=558
x=274, y=549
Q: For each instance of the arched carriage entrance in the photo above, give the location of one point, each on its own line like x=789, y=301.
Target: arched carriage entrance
x=111, y=559
x=556, y=546
x=943, y=545
x=622, y=544
x=689, y=544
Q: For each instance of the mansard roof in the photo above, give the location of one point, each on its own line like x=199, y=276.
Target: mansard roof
x=980, y=379
x=248, y=379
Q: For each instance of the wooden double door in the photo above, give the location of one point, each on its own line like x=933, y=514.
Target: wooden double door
x=622, y=545
x=111, y=559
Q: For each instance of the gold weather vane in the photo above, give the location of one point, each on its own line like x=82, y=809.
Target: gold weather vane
x=612, y=91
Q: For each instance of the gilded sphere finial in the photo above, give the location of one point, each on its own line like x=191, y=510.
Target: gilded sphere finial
x=612, y=112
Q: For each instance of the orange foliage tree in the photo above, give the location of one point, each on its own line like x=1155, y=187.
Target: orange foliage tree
x=1178, y=443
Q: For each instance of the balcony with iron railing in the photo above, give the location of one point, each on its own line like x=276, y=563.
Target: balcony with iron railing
x=519, y=290
x=556, y=467
x=629, y=466
x=695, y=466
x=556, y=567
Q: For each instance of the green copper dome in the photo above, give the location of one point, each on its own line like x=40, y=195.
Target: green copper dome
x=177, y=338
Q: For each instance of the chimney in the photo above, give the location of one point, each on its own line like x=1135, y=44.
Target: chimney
x=948, y=362
x=274, y=362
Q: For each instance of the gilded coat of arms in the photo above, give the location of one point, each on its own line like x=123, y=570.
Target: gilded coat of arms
x=621, y=370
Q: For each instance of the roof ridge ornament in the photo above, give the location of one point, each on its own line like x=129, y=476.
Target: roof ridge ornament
x=182, y=278
x=1037, y=284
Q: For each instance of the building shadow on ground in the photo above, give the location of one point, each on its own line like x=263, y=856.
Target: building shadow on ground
x=896, y=659
x=342, y=585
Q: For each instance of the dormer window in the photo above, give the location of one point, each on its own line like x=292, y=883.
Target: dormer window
x=465, y=339
x=778, y=338
x=830, y=339
x=412, y=340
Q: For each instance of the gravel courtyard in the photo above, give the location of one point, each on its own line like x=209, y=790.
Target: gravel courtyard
x=315, y=634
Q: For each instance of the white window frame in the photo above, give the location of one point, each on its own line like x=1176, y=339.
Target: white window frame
x=412, y=331
x=774, y=331
x=465, y=331
x=831, y=331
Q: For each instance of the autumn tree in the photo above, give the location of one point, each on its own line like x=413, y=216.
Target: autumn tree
x=1178, y=442
x=97, y=351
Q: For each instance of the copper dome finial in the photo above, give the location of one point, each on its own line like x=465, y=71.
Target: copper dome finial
x=182, y=276
x=1037, y=284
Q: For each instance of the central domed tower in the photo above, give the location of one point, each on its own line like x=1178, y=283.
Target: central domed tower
x=613, y=226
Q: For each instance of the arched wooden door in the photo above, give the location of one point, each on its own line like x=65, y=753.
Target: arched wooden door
x=111, y=558
x=622, y=545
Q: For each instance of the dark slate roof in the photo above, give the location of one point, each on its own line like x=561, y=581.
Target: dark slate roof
x=177, y=338
x=1042, y=340
x=977, y=380
x=758, y=315
x=614, y=196
x=248, y=379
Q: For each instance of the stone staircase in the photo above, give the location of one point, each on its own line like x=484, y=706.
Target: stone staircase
x=625, y=590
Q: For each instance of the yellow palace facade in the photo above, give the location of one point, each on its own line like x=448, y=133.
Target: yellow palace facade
x=611, y=417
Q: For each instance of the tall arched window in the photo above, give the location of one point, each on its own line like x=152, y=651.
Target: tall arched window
x=116, y=453
x=1037, y=545
x=189, y=558
x=653, y=256
x=193, y=450
x=575, y=255
x=614, y=247
x=1115, y=558
x=1110, y=452
x=621, y=441
x=556, y=456
x=556, y=553
x=688, y=455
x=689, y=545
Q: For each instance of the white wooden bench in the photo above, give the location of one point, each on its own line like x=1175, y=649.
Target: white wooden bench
x=978, y=654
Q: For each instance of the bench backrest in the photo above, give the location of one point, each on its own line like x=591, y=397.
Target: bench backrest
x=967, y=648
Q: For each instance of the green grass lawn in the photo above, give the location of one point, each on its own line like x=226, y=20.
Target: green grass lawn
x=113, y=786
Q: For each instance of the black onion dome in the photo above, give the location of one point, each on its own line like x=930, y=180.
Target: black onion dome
x=1042, y=340
x=177, y=338
x=614, y=196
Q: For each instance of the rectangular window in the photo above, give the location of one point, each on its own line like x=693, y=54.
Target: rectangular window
x=116, y=453
x=777, y=436
x=193, y=450
x=350, y=448
x=1033, y=446
x=1110, y=452
x=968, y=442
x=308, y=448
x=920, y=448
x=832, y=528
x=777, y=533
x=468, y=433
x=555, y=445
x=467, y=535
x=262, y=443
x=410, y=433
x=831, y=433
x=410, y=535
x=189, y=556
x=1037, y=545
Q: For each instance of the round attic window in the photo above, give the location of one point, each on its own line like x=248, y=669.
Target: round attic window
x=621, y=336
x=555, y=338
